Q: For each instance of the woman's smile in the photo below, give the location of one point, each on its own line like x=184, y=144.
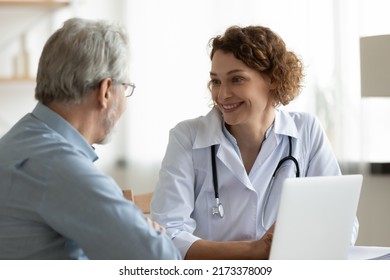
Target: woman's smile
x=228, y=108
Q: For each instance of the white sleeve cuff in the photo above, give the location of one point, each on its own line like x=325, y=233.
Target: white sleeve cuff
x=182, y=240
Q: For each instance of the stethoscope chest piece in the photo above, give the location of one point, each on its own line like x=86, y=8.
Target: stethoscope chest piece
x=218, y=209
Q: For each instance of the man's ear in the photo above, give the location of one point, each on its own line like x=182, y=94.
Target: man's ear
x=105, y=92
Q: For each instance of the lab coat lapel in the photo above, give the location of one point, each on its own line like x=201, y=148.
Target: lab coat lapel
x=209, y=130
x=284, y=126
x=228, y=156
x=210, y=133
x=267, y=149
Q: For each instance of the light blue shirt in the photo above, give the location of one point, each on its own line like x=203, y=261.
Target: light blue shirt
x=56, y=204
x=184, y=197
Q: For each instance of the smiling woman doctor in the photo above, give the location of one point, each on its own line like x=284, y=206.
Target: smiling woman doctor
x=220, y=181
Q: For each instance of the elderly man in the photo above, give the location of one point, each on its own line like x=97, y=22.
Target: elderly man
x=54, y=202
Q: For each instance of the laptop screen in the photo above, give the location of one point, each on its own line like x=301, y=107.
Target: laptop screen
x=316, y=217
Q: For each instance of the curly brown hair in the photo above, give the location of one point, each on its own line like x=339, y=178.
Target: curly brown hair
x=264, y=51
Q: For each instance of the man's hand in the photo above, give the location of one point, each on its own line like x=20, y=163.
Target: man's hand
x=155, y=225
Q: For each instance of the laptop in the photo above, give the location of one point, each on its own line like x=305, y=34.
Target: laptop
x=316, y=217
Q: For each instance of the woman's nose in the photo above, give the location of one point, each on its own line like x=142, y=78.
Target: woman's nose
x=223, y=92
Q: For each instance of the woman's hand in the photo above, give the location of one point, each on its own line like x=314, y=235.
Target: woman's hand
x=263, y=245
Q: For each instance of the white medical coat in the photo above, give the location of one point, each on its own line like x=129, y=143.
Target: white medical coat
x=184, y=196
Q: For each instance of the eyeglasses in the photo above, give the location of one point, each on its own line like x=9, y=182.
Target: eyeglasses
x=129, y=89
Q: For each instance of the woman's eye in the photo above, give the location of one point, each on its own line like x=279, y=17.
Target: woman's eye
x=237, y=79
x=214, y=82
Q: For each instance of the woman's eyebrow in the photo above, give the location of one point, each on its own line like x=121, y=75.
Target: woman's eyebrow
x=228, y=73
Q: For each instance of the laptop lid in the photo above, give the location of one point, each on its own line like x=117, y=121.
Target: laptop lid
x=316, y=217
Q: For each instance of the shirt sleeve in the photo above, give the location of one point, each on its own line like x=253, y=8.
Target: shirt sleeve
x=88, y=208
x=173, y=200
x=322, y=160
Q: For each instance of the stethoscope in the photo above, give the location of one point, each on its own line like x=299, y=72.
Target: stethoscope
x=218, y=209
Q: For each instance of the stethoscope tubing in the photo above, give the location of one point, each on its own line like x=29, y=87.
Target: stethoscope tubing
x=218, y=210
x=215, y=175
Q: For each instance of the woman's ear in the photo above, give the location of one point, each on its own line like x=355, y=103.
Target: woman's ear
x=272, y=84
x=105, y=92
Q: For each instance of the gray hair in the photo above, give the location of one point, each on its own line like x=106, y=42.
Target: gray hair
x=78, y=56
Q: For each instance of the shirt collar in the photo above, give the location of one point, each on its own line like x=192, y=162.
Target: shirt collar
x=64, y=128
x=285, y=124
x=211, y=128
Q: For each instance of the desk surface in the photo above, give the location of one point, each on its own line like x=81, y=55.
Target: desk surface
x=367, y=252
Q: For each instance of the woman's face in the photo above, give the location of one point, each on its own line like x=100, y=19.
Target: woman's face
x=241, y=93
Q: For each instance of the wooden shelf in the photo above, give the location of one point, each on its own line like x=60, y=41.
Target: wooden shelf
x=17, y=80
x=19, y=16
x=54, y=4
